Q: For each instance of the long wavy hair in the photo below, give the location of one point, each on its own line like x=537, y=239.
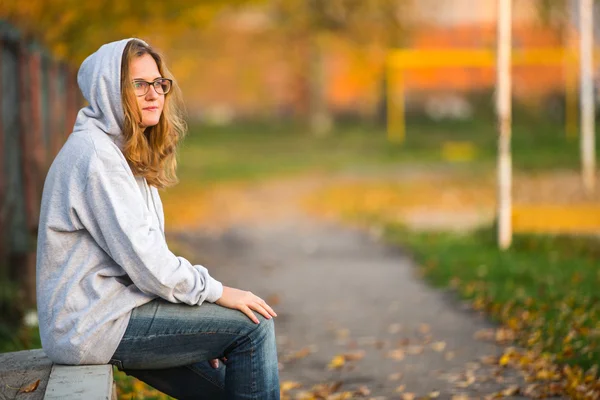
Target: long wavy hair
x=151, y=153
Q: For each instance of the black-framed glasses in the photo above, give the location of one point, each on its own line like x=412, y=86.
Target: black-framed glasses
x=161, y=86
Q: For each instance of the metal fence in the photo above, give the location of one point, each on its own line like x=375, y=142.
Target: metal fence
x=39, y=101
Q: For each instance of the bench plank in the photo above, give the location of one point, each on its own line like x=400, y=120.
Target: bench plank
x=91, y=382
x=22, y=368
x=65, y=382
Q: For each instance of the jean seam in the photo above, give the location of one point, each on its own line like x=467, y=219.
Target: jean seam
x=178, y=334
x=153, y=317
x=254, y=389
x=209, y=379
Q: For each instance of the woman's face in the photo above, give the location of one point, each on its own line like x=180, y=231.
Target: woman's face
x=151, y=103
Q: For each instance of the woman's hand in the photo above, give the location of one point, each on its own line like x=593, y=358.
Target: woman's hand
x=215, y=362
x=245, y=302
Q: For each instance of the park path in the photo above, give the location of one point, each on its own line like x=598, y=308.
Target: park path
x=347, y=300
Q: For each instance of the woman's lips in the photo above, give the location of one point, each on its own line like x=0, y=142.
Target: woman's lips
x=150, y=108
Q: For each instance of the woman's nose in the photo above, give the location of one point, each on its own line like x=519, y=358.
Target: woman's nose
x=151, y=95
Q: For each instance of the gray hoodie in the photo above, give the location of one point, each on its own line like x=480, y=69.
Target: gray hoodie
x=101, y=248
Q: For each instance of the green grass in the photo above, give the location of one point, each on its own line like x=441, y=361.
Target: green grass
x=255, y=150
x=13, y=338
x=546, y=287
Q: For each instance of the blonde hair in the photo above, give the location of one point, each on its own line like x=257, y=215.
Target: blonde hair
x=151, y=153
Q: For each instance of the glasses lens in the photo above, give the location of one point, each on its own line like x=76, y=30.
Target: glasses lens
x=140, y=88
x=162, y=86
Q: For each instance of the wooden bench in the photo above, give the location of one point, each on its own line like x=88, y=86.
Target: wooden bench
x=20, y=371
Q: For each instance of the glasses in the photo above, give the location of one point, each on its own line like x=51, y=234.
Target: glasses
x=161, y=86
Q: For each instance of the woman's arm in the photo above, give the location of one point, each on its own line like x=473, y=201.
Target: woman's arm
x=116, y=216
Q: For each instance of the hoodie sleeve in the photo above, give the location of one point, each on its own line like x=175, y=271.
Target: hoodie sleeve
x=118, y=222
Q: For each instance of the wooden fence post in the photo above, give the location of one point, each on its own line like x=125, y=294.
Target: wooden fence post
x=3, y=205
x=26, y=260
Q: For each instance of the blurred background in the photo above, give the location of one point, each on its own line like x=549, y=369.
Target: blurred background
x=345, y=110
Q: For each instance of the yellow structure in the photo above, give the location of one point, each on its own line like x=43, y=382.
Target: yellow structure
x=542, y=218
x=400, y=60
x=551, y=218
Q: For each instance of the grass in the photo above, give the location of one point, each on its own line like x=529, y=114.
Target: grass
x=255, y=150
x=544, y=287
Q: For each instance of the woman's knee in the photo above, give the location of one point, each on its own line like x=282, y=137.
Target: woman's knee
x=265, y=330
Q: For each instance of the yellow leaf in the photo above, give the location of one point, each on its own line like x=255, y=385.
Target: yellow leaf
x=340, y=396
x=400, y=388
x=286, y=386
x=357, y=355
x=415, y=350
x=337, y=362
x=30, y=388
x=511, y=390
x=438, y=346
x=505, y=359
x=489, y=360
x=397, y=354
x=544, y=375
x=408, y=396
x=434, y=394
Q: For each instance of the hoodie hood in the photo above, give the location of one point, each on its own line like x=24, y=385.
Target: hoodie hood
x=99, y=79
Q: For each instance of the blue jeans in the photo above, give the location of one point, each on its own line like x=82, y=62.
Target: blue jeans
x=168, y=346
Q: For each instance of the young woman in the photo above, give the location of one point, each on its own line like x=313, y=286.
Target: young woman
x=109, y=289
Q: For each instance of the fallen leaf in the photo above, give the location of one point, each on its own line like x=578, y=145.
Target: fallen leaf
x=30, y=388
x=273, y=300
x=335, y=386
x=468, y=382
x=355, y=356
x=337, y=362
x=434, y=395
x=484, y=334
x=408, y=396
x=424, y=328
x=460, y=397
x=438, y=346
x=286, y=386
x=414, y=350
x=305, y=351
x=341, y=396
x=305, y=395
x=511, y=390
x=363, y=391
x=505, y=335
x=543, y=375
x=397, y=354
x=449, y=355
x=400, y=388
x=489, y=360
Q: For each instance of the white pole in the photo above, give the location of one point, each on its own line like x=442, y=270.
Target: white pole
x=503, y=110
x=588, y=156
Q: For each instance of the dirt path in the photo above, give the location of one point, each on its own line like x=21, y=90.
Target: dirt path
x=338, y=293
x=352, y=310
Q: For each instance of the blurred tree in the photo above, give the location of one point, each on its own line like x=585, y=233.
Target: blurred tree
x=72, y=29
x=306, y=23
